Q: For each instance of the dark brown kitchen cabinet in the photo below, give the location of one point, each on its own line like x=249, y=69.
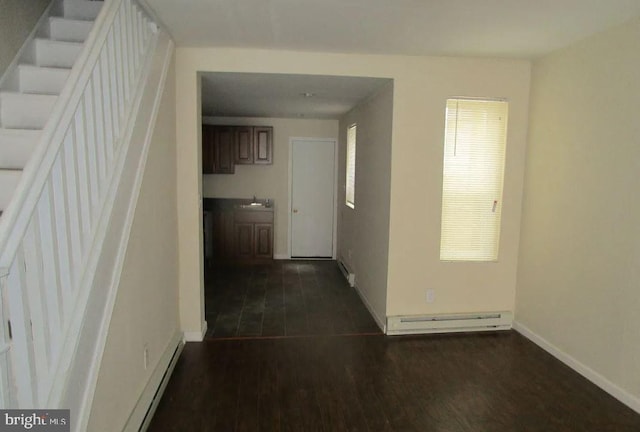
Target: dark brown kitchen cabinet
x=253, y=234
x=244, y=146
x=207, y=149
x=244, y=240
x=235, y=232
x=262, y=244
x=221, y=242
x=218, y=150
x=253, y=241
x=224, y=147
x=263, y=145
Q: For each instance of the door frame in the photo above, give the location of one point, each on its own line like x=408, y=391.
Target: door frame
x=335, y=192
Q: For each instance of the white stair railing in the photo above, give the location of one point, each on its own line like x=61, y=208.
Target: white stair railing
x=48, y=231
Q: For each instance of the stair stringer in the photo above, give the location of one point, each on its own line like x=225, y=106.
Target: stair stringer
x=77, y=382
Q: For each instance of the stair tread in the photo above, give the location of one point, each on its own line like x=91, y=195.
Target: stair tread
x=11, y=93
x=82, y=9
x=77, y=20
x=69, y=29
x=9, y=180
x=51, y=68
x=34, y=79
x=34, y=133
x=25, y=110
x=55, y=53
x=59, y=42
x=16, y=146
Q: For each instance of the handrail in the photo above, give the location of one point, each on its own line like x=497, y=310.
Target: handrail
x=47, y=231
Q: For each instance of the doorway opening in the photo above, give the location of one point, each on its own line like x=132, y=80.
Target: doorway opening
x=287, y=178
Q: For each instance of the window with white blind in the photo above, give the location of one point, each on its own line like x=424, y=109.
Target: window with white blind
x=474, y=154
x=350, y=187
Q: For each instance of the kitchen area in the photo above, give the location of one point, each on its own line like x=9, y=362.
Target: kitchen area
x=271, y=203
x=237, y=229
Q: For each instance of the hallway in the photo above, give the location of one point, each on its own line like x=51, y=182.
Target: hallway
x=285, y=298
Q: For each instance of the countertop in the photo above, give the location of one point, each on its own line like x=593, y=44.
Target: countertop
x=242, y=204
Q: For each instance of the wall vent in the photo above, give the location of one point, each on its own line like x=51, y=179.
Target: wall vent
x=351, y=278
x=449, y=323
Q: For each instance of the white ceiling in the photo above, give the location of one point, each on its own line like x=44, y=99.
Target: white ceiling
x=283, y=95
x=488, y=28
x=494, y=28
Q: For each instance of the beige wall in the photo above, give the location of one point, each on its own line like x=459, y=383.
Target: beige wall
x=422, y=85
x=146, y=308
x=364, y=230
x=579, y=258
x=17, y=20
x=267, y=181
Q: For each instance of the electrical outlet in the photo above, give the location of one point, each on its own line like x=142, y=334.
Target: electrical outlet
x=431, y=296
x=145, y=356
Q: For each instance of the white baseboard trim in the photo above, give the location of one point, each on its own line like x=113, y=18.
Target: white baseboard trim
x=381, y=323
x=605, y=384
x=142, y=414
x=195, y=336
x=281, y=257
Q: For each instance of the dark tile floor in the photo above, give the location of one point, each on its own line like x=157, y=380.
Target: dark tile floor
x=285, y=298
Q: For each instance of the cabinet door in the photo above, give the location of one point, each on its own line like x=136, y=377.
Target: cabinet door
x=217, y=240
x=207, y=233
x=262, y=145
x=223, y=145
x=244, y=145
x=207, y=149
x=244, y=240
x=263, y=240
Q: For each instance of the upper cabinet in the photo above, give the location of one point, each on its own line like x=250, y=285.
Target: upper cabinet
x=223, y=147
x=244, y=146
x=207, y=149
x=262, y=145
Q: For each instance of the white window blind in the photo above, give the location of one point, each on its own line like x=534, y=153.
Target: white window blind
x=351, y=167
x=474, y=153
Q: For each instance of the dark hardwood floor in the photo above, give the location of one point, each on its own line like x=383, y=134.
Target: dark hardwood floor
x=489, y=382
x=285, y=298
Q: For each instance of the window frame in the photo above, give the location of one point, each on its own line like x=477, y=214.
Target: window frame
x=350, y=178
x=467, y=183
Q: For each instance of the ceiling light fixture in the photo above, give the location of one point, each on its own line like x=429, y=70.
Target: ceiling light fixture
x=307, y=94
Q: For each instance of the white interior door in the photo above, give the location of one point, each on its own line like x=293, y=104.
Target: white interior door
x=312, y=198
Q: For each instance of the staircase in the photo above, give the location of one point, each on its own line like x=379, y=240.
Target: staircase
x=30, y=88
x=77, y=109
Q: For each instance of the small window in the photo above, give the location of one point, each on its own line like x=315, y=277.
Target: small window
x=350, y=186
x=474, y=154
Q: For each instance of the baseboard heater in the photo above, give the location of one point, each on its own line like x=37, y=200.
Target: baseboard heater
x=449, y=323
x=351, y=278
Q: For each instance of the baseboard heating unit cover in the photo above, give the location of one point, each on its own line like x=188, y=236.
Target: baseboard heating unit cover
x=351, y=278
x=449, y=323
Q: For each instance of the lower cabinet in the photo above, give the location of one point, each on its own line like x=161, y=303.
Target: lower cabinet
x=233, y=234
x=221, y=236
x=253, y=234
x=263, y=244
x=244, y=240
